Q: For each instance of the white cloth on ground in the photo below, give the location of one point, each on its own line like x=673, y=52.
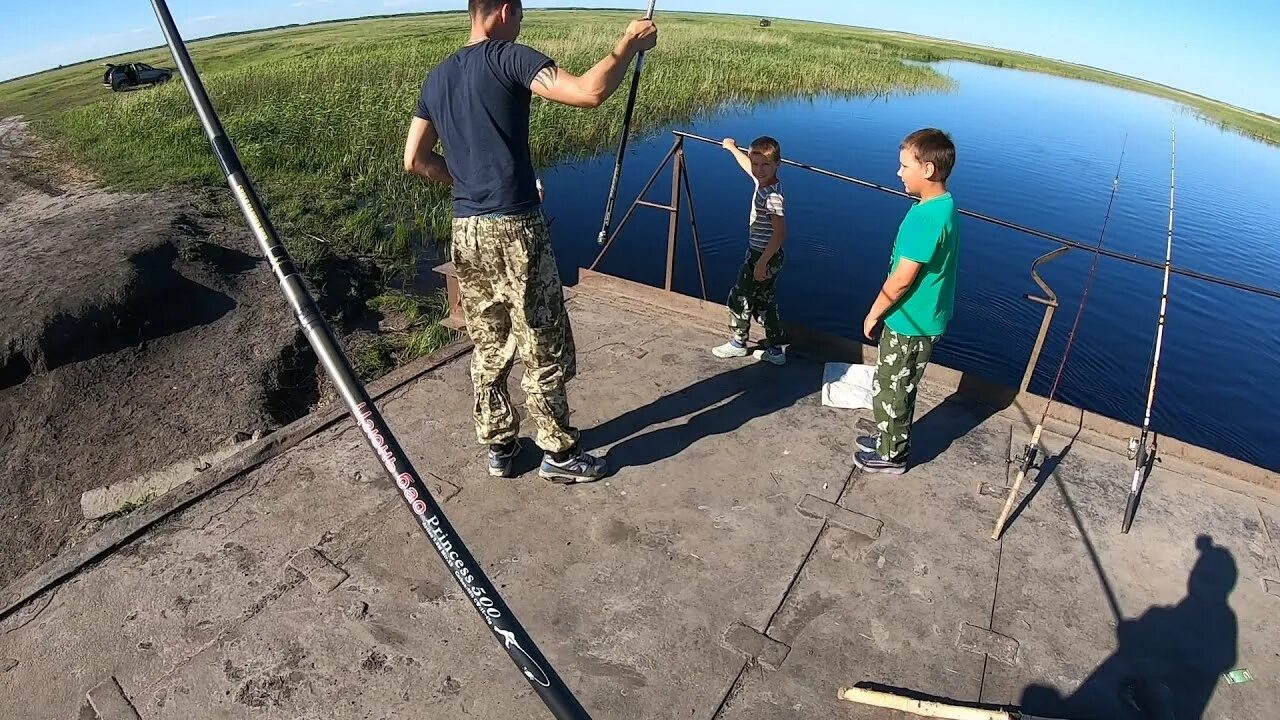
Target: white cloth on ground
x=847, y=386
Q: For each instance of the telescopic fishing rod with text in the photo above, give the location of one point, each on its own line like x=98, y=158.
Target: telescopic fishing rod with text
x=426, y=512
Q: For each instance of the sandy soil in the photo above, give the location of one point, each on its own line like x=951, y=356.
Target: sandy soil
x=135, y=332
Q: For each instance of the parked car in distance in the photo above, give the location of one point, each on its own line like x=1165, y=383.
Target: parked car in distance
x=131, y=76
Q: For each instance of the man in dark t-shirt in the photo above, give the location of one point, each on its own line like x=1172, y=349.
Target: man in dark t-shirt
x=476, y=105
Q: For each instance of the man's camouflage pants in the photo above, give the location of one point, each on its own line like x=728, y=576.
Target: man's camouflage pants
x=513, y=301
x=756, y=299
x=898, y=374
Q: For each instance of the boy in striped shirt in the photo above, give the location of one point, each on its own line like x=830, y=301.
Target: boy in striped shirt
x=754, y=295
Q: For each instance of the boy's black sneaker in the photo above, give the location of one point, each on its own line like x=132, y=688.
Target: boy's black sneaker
x=871, y=462
x=502, y=458
x=868, y=443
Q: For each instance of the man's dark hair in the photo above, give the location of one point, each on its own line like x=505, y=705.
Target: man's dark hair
x=478, y=8
x=931, y=145
x=768, y=147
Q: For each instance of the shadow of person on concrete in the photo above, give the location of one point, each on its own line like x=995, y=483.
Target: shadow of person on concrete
x=973, y=402
x=1167, y=662
x=717, y=405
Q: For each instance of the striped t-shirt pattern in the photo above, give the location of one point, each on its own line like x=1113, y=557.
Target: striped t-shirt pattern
x=766, y=203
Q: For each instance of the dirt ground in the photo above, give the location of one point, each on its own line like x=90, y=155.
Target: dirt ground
x=135, y=332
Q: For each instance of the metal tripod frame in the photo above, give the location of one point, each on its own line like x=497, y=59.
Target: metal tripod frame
x=679, y=185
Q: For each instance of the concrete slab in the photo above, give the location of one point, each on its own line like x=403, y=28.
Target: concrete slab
x=108, y=702
x=413, y=646
x=734, y=529
x=695, y=532
x=892, y=610
x=757, y=646
x=820, y=509
x=1270, y=516
x=165, y=598
x=319, y=570
x=982, y=641
x=1186, y=583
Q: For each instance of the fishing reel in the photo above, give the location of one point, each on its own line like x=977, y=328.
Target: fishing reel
x=1028, y=457
x=1143, y=452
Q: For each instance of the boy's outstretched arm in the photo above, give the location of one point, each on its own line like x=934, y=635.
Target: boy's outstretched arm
x=900, y=280
x=744, y=160
x=775, y=244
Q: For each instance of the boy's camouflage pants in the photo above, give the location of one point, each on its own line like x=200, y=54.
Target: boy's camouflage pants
x=514, y=302
x=898, y=373
x=756, y=299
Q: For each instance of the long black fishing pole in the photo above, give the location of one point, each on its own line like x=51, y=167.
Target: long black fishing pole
x=1028, y=454
x=1143, y=458
x=426, y=511
x=622, y=143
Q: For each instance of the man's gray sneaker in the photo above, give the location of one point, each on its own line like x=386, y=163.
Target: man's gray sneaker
x=502, y=457
x=579, y=467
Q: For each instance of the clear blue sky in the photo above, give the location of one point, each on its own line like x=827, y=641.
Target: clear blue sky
x=1226, y=50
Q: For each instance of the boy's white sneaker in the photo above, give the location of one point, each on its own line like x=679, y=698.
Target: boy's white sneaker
x=731, y=349
x=775, y=355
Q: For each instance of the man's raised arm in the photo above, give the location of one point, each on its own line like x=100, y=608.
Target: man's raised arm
x=595, y=86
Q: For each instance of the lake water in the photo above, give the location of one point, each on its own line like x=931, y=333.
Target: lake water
x=1035, y=150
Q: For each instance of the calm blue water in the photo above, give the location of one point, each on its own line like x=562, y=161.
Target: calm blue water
x=1032, y=149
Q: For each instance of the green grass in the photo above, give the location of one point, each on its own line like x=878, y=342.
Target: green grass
x=132, y=505
x=409, y=328
x=318, y=113
x=411, y=325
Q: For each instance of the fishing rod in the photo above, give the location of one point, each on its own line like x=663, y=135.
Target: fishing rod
x=426, y=511
x=1065, y=242
x=1029, y=453
x=1142, y=459
x=622, y=143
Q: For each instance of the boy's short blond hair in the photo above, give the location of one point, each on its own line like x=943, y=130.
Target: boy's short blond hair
x=767, y=147
x=931, y=145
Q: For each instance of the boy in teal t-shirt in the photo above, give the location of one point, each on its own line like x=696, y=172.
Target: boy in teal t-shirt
x=916, y=302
